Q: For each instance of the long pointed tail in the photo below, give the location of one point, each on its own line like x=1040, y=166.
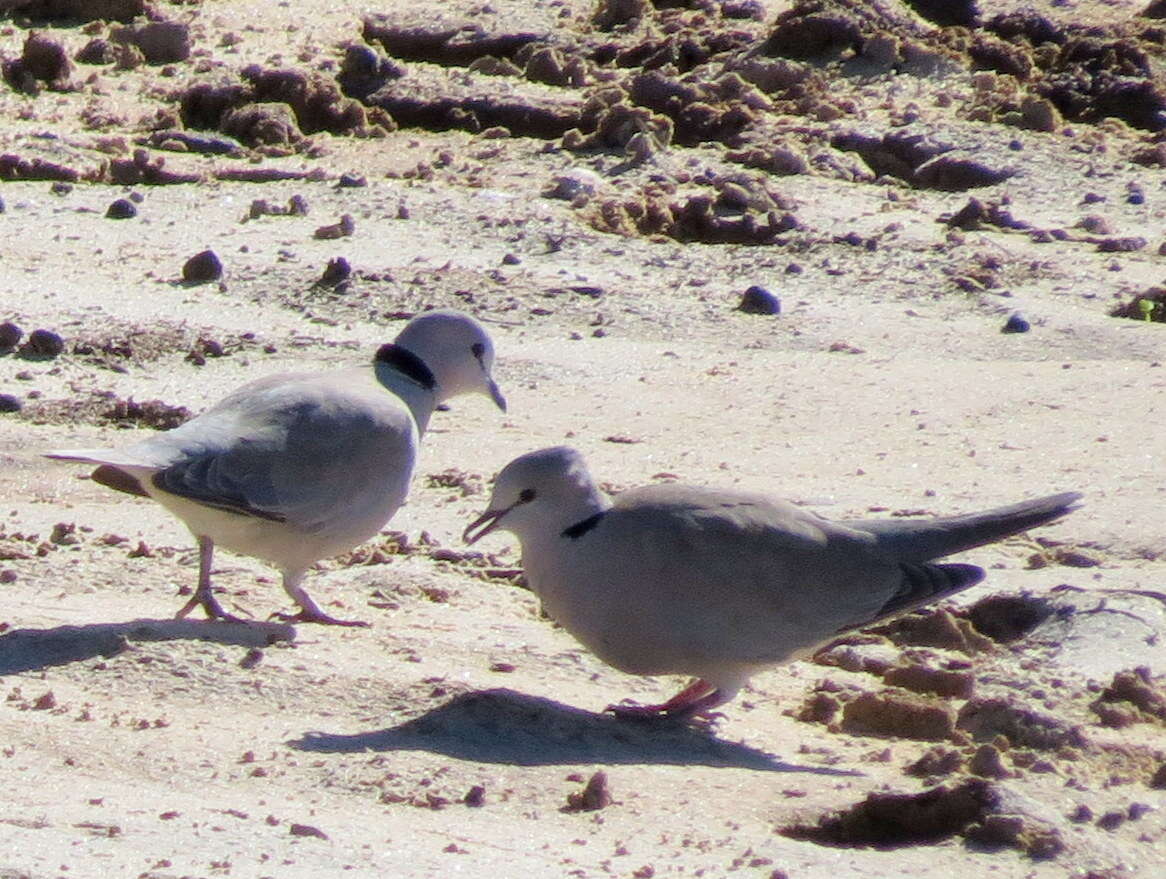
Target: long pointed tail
x=921, y=541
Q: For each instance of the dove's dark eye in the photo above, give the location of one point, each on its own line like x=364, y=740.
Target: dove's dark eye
x=478, y=349
x=526, y=496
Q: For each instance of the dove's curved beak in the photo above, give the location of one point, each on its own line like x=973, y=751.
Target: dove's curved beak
x=496, y=394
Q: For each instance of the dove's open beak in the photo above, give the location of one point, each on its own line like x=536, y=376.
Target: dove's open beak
x=486, y=523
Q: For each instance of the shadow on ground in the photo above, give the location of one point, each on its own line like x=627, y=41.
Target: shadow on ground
x=502, y=726
x=31, y=649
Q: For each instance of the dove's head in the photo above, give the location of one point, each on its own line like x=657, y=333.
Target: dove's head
x=539, y=492
x=457, y=350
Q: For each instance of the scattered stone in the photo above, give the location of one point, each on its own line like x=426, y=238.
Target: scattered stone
x=10, y=336
x=202, y=267
x=343, y=229
x=307, y=830
x=1016, y=323
x=475, y=797
x=337, y=270
x=349, y=180
x=121, y=209
x=10, y=403
x=43, y=343
x=594, y=796
x=160, y=42
x=262, y=124
x=758, y=300
x=44, y=59
x=1158, y=779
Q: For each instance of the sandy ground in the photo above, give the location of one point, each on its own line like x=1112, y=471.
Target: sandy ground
x=455, y=733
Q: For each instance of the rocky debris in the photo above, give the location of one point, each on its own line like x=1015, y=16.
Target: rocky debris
x=43, y=60
x=758, y=300
x=10, y=336
x=191, y=142
x=1149, y=305
x=160, y=42
x=312, y=103
x=42, y=344
x=96, y=51
x=154, y=414
x=986, y=718
x=337, y=271
x=898, y=713
x=342, y=229
x=141, y=168
x=121, y=209
x=979, y=811
x=261, y=124
x=1007, y=618
x=1131, y=697
x=80, y=10
x=596, y=795
x=451, y=43
x=364, y=70
x=202, y=267
x=10, y=403
x=1016, y=323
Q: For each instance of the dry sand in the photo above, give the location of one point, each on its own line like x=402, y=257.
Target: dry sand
x=457, y=733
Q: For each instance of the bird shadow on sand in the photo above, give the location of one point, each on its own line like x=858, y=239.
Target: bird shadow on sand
x=31, y=649
x=502, y=726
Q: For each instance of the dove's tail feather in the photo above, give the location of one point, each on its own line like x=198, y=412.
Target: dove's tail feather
x=109, y=470
x=921, y=541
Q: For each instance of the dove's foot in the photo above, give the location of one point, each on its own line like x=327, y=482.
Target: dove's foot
x=694, y=702
x=315, y=615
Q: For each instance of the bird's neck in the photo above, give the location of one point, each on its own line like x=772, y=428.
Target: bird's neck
x=410, y=380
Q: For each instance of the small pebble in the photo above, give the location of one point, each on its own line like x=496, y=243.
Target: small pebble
x=10, y=403
x=202, y=267
x=10, y=336
x=43, y=343
x=122, y=209
x=60, y=187
x=338, y=270
x=758, y=300
x=351, y=181
x=1016, y=324
x=511, y=259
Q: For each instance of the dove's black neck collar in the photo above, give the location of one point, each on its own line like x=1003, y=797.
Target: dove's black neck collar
x=408, y=364
x=583, y=526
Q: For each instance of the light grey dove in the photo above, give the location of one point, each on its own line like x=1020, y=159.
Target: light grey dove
x=296, y=467
x=718, y=585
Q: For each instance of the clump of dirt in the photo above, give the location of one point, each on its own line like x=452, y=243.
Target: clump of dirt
x=43, y=60
x=154, y=414
x=935, y=628
x=974, y=809
x=1131, y=697
x=1008, y=618
x=899, y=713
x=596, y=795
x=729, y=214
x=276, y=106
x=1149, y=305
x=934, y=681
x=985, y=719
